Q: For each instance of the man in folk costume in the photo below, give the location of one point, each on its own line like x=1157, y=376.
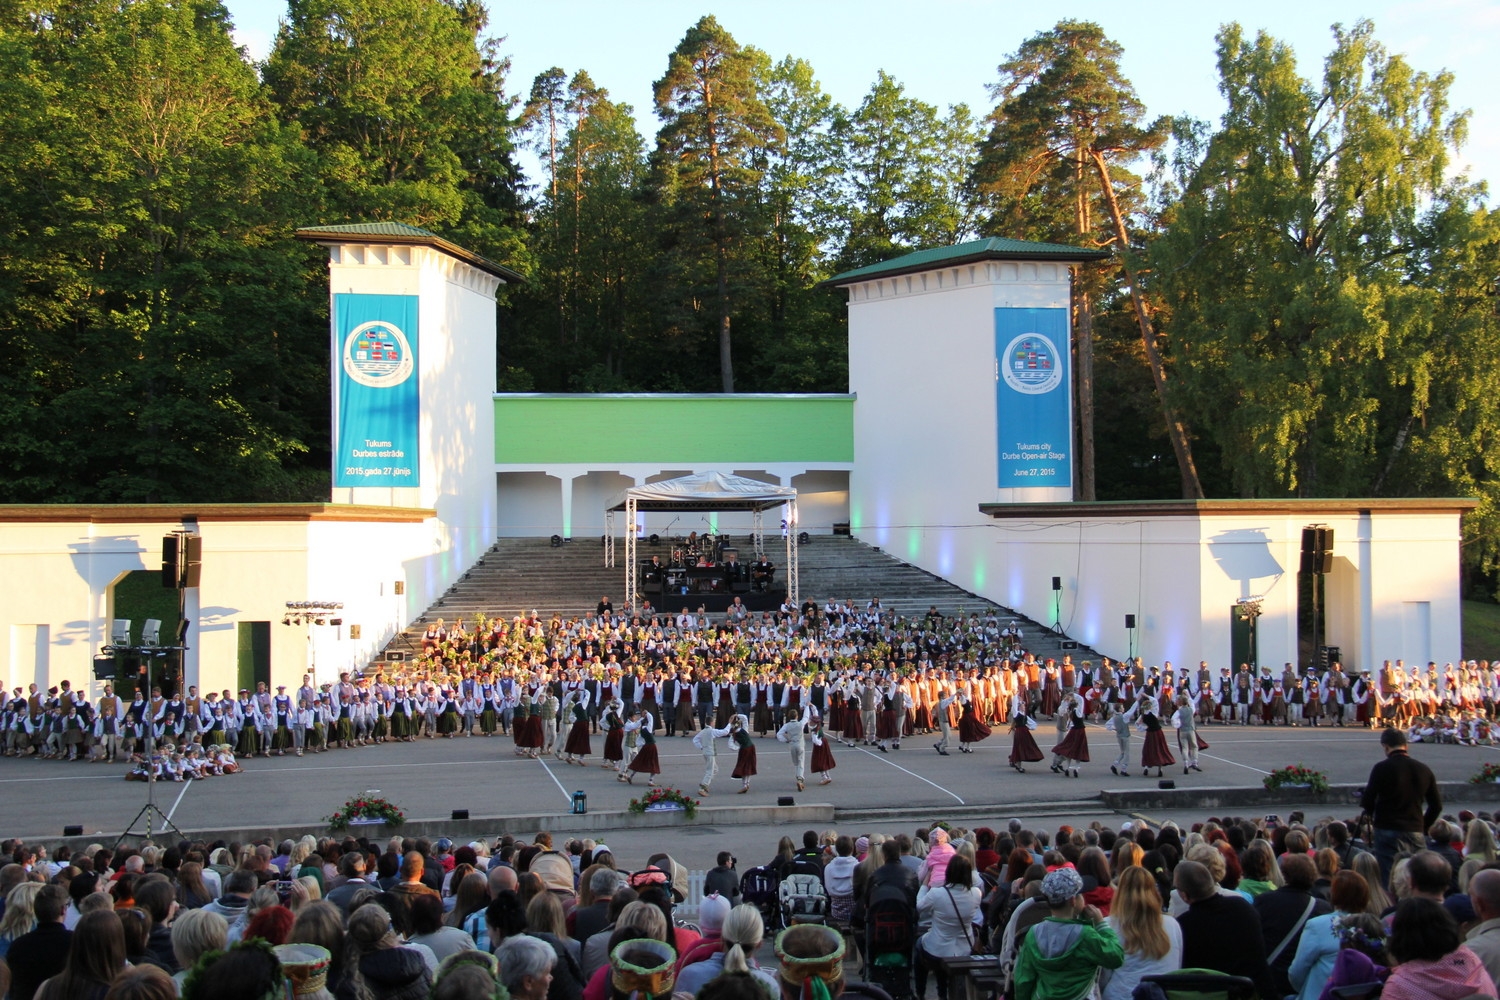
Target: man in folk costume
x=794, y=734
x=1187, y=734
x=707, y=741
x=1120, y=724
x=941, y=746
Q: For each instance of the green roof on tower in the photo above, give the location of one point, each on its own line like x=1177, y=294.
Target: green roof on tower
x=400, y=232
x=990, y=248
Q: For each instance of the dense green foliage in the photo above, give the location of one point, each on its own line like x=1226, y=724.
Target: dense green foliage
x=1300, y=300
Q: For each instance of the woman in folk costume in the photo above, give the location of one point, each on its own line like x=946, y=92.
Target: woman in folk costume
x=744, y=761
x=1051, y=689
x=1154, y=750
x=647, y=759
x=725, y=710
x=822, y=760
x=854, y=718
x=614, y=734
x=1023, y=748
x=489, y=705
x=762, y=710
x=448, y=716
x=1074, y=748
x=528, y=739
x=886, y=725
x=577, y=746
x=970, y=729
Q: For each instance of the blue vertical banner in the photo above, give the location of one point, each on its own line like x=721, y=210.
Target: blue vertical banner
x=1034, y=398
x=375, y=345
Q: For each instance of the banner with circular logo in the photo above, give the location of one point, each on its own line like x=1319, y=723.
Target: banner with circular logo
x=1034, y=399
x=378, y=403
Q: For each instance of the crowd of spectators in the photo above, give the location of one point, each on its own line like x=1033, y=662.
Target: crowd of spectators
x=1298, y=907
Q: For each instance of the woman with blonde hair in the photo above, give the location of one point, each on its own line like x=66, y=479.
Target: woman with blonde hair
x=20, y=914
x=1152, y=941
x=1479, y=842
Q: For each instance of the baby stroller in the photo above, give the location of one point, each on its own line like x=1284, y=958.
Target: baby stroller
x=758, y=887
x=803, y=900
x=889, y=943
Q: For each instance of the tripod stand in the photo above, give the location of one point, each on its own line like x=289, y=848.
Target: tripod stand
x=152, y=815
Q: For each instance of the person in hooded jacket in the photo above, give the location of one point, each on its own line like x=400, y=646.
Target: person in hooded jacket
x=1064, y=953
x=378, y=967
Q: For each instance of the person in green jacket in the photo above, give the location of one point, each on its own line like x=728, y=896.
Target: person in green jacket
x=1063, y=954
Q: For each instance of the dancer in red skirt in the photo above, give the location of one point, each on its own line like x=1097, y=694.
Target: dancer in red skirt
x=1023, y=748
x=886, y=725
x=744, y=762
x=578, y=746
x=970, y=729
x=646, y=760
x=614, y=738
x=528, y=728
x=1074, y=749
x=1154, y=751
x=822, y=755
x=854, y=726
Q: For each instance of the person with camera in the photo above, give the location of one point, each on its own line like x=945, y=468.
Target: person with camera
x=723, y=878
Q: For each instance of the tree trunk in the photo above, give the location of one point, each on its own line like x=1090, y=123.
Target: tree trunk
x=726, y=362
x=1192, y=489
x=1084, y=339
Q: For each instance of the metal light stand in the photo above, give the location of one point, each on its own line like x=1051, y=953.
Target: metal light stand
x=149, y=812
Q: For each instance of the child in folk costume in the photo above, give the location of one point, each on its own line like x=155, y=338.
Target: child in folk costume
x=942, y=718
x=1023, y=748
x=576, y=705
x=106, y=735
x=1120, y=724
x=822, y=752
x=614, y=734
x=647, y=760
x=744, y=761
x=970, y=729
x=1188, y=740
x=1074, y=748
x=1154, y=750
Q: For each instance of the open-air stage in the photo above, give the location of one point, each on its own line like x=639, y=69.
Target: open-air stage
x=871, y=792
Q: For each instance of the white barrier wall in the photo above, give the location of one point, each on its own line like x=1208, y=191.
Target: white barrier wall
x=1181, y=567
x=255, y=559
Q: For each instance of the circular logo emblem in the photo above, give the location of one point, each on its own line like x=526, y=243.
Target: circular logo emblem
x=377, y=354
x=1031, y=365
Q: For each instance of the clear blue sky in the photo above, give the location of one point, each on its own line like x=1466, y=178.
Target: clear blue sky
x=946, y=51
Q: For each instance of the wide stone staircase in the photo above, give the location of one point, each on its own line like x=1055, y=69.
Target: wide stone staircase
x=519, y=575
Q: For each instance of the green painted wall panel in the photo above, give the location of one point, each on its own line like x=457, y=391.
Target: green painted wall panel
x=545, y=429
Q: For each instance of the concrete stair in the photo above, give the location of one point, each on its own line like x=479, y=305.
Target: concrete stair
x=518, y=575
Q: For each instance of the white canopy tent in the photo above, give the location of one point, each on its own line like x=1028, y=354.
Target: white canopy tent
x=707, y=491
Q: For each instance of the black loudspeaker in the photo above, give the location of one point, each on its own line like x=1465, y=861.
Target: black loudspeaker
x=1057, y=583
x=803, y=538
x=1317, y=550
x=460, y=814
x=171, y=571
x=655, y=539
x=557, y=541
x=104, y=668
x=72, y=831
x=1069, y=644
x=1166, y=784
x=395, y=655
x=1130, y=621
x=192, y=562
x=785, y=800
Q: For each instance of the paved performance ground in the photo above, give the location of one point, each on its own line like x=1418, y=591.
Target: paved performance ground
x=430, y=778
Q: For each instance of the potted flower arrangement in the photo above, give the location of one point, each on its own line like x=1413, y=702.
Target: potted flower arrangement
x=1297, y=775
x=366, y=808
x=665, y=800
x=1488, y=774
